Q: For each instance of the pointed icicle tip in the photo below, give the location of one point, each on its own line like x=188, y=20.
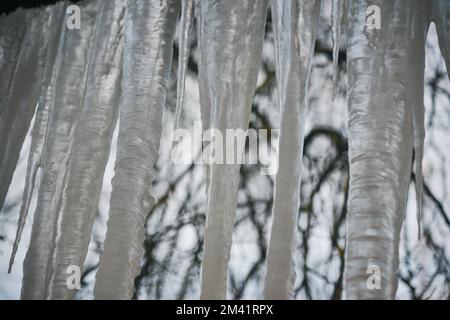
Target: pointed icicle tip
x=187, y=17
x=419, y=196
x=337, y=15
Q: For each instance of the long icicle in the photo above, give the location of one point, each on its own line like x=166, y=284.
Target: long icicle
x=65, y=112
x=230, y=39
x=337, y=16
x=90, y=150
x=23, y=69
x=41, y=121
x=149, y=33
x=416, y=82
x=295, y=26
x=381, y=124
x=187, y=17
x=441, y=18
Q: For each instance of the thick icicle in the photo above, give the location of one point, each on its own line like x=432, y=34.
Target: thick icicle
x=230, y=40
x=295, y=25
x=187, y=17
x=149, y=33
x=23, y=39
x=90, y=150
x=66, y=99
x=381, y=122
x=337, y=15
x=41, y=119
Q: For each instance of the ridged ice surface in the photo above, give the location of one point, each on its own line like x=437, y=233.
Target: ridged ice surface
x=149, y=32
x=89, y=149
x=39, y=132
x=66, y=107
x=295, y=25
x=23, y=46
x=230, y=41
x=381, y=107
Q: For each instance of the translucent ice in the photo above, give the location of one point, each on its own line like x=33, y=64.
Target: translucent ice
x=149, y=32
x=385, y=94
x=39, y=132
x=23, y=46
x=67, y=97
x=89, y=150
x=230, y=41
x=295, y=25
x=187, y=17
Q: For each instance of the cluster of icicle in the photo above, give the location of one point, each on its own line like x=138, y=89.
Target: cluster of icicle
x=117, y=67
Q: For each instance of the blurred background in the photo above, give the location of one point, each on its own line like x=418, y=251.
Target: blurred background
x=175, y=226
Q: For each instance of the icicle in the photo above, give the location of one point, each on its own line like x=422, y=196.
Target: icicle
x=416, y=85
x=66, y=100
x=187, y=17
x=337, y=14
x=12, y=30
x=441, y=18
x=230, y=41
x=381, y=123
x=149, y=32
x=90, y=150
x=23, y=42
x=419, y=138
x=295, y=26
x=41, y=121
